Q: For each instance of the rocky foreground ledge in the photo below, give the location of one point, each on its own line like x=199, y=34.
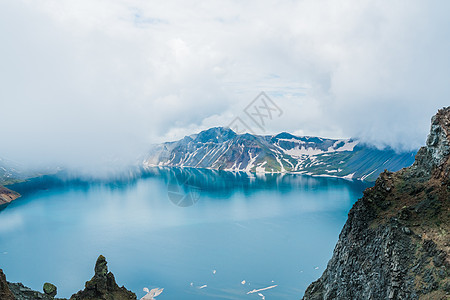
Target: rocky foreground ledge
x=395, y=243
x=102, y=286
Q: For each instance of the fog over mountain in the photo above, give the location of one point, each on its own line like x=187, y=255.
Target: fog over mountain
x=86, y=82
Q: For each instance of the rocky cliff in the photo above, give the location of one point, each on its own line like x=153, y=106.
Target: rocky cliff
x=6, y=196
x=395, y=243
x=5, y=292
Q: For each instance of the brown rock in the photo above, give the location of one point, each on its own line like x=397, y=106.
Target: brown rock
x=5, y=292
x=6, y=196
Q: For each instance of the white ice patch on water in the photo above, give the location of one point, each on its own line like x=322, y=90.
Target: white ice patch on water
x=263, y=289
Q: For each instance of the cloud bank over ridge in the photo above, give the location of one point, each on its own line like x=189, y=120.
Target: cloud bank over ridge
x=87, y=81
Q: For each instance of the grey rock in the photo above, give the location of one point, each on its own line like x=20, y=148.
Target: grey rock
x=5, y=292
x=103, y=285
x=22, y=292
x=377, y=256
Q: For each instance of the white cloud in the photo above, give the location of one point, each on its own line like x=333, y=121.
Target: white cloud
x=84, y=80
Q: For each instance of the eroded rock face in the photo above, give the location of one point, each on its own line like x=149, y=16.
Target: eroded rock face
x=22, y=292
x=437, y=143
x=5, y=292
x=395, y=243
x=6, y=196
x=437, y=151
x=103, y=285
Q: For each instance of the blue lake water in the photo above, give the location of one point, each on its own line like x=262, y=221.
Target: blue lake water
x=266, y=229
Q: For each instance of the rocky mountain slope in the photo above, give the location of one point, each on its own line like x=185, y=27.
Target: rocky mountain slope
x=222, y=149
x=11, y=172
x=6, y=196
x=395, y=243
x=103, y=285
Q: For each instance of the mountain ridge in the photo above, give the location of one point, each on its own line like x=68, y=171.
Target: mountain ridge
x=222, y=149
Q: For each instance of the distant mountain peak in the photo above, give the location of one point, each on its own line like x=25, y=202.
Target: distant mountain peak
x=215, y=135
x=223, y=149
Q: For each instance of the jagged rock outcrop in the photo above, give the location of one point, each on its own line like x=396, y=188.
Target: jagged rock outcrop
x=103, y=286
x=17, y=291
x=395, y=243
x=5, y=292
x=6, y=196
x=22, y=292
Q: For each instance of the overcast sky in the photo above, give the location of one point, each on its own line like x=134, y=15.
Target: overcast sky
x=84, y=81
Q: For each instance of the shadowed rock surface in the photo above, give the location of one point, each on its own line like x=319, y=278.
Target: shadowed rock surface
x=17, y=291
x=103, y=285
x=395, y=243
x=22, y=292
x=5, y=292
x=50, y=289
x=6, y=196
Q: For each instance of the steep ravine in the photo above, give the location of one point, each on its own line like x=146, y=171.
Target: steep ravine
x=395, y=243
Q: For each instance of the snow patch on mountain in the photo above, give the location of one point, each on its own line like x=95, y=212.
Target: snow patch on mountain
x=222, y=149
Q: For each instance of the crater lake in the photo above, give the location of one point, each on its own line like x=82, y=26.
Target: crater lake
x=199, y=234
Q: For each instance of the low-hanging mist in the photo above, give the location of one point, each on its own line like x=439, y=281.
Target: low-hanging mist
x=88, y=84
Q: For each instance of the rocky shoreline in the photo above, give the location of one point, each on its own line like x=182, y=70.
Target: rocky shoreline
x=6, y=196
x=102, y=286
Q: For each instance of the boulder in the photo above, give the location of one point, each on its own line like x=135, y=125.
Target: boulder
x=50, y=289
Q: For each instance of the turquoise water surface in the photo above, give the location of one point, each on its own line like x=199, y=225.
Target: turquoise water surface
x=199, y=234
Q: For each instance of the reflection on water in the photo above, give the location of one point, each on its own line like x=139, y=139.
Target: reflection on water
x=172, y=228
x=223, y=184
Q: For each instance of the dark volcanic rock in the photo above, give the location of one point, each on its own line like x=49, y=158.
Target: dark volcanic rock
x=17, y=291
x=103, y=286
x=395, y=242
x=22, y=292
x=50, y=289
x=5, y=292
